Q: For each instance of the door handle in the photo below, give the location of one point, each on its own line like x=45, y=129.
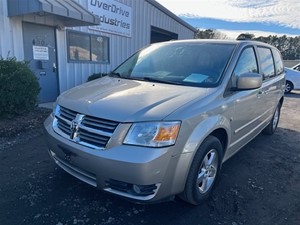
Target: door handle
x=54, y=67
x=259, y=93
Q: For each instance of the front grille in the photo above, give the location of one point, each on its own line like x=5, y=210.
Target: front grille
x=84, y=129
x=64, y=118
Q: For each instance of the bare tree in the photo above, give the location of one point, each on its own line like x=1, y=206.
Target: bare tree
x=210, y=34
x=245, y=36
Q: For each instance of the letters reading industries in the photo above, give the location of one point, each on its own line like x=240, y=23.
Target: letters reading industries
x=115, y=17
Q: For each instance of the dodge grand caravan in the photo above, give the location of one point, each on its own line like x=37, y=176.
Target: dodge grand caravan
x=163, y=122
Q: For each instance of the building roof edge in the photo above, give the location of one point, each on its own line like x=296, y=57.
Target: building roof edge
x=172, y=15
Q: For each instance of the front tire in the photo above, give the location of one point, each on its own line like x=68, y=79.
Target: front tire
x=204, y=171
x=270, y=129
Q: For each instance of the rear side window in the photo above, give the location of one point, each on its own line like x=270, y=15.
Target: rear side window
x=278, y=62
x=267, y=64
x=247, y=63
x=297, y=67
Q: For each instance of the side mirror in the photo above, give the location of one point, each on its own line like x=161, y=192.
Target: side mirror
x=248, y=81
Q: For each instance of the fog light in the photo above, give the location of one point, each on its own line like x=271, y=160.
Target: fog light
x=136, y=189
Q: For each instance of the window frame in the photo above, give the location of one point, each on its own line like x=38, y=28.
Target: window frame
x=240, y=55
x=233, y=76
x=90, y=35
x=265, y=78
x=275, y=65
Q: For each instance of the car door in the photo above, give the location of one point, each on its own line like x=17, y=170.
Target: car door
x=248, y=104
x=271, y=87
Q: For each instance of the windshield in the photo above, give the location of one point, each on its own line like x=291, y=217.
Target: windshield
x=193, y=64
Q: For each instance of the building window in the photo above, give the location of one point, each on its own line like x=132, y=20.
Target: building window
x=84, y=47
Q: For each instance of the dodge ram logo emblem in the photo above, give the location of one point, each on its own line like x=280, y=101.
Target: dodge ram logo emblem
x=74, y=126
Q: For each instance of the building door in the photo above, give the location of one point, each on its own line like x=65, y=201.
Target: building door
x=40, y=51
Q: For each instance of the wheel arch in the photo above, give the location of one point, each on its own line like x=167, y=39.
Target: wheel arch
x=287, y=80
x=218, y=126
x=281, y=101
x=215, y=126
x=222, y=135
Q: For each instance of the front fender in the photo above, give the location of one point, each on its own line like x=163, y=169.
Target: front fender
x=205, y=128
x=200, y=132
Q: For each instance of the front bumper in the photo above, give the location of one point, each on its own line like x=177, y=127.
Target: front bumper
x=139, y=173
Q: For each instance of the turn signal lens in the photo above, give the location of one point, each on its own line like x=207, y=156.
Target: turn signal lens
x=167, y=133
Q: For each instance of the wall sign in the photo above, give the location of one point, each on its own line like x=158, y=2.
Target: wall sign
x=115, y=17
x=40, y=52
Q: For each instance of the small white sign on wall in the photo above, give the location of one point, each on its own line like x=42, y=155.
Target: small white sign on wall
x=40, y=52
x=115, y=17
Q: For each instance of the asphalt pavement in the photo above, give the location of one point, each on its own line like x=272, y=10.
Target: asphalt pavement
x=259, y=185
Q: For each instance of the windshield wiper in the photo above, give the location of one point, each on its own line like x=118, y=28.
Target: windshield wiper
x=161, y=81
x=114, y=74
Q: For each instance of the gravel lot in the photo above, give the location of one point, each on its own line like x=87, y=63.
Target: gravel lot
x=259, y=185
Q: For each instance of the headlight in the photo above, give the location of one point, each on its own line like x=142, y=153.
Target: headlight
x=153, y=134
x=55, y=109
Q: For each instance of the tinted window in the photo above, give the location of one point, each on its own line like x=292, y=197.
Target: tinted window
x=297, y=67
x=266, y=59
x=247, y=63
x=79, y=47
x=278, y=62
x=191, y=64
x=87, y=47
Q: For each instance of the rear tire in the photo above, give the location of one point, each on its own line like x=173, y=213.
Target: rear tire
x=204, y=171
x=288, y=87
x=270, y=129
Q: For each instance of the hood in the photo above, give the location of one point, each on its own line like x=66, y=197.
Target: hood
x=127, y=100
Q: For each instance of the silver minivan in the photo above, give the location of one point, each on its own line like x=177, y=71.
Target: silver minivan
x=163, y=122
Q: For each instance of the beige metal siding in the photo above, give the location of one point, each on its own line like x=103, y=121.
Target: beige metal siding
x=11, y=38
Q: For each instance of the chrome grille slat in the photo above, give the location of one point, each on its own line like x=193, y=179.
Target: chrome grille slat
x=92, y=136
x=93, y=141
x=84, y=129
x=66, y=121
x=96, y=123
x=97, y=120
x=67, y=114
x=64, y=128
x=93, y=130
x=95, y=126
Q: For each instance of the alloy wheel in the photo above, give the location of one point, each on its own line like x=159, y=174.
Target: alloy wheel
x=208, y=171
x=287, y=88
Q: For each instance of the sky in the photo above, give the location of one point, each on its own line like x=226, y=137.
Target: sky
x=233, y=17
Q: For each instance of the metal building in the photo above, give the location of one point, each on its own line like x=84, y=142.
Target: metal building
x=68, y=40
